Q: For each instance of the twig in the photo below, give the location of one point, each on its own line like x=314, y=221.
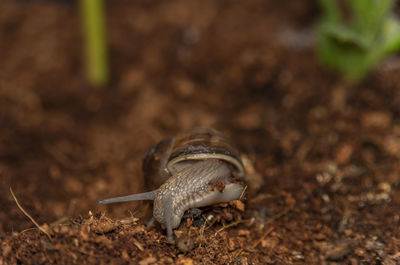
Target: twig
x=230, y=225
x=203, y=227
x=260, y=198
x=269, y=230
x=242, y=194
x=138, y=245
x=256, y=243
x=28, y=229
x=59, y=221
x=30, y=217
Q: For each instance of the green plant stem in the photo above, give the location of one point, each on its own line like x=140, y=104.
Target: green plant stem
x=95, y=41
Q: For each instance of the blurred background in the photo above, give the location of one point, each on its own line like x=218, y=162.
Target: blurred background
x=247, y=68
x=173, y=65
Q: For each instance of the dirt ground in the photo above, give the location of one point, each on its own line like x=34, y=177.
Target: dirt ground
x=328, y=151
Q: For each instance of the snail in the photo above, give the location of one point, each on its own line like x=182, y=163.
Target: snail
x=197, y=168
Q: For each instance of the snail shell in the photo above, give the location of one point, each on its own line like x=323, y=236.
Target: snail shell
x=171, y=155
x=197, y=168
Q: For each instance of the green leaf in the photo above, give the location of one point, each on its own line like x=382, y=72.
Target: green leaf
x=391, y=31
x=331, y=11
x=354, y=45
x=344, y=34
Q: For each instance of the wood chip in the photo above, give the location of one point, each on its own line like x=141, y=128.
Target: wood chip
x=185, y=261
x=338, y=252
x=147, y=261
x=137, y=244
x=237, y=205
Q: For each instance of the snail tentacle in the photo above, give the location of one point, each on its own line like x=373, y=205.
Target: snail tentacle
x=134, y=197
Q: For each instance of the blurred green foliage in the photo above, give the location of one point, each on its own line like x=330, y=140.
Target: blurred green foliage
x=356, y=35
x=95, y=40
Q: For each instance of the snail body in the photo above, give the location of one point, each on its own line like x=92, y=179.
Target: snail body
x=197, y=168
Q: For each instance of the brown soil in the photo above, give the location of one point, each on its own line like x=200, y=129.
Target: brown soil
x=328, y=151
